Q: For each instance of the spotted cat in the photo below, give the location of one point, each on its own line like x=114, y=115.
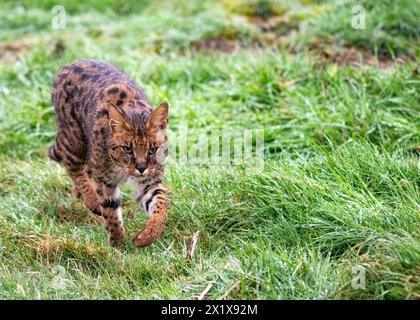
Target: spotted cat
x=107, y=134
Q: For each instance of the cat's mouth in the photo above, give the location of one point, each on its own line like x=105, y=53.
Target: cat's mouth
x=137, y=174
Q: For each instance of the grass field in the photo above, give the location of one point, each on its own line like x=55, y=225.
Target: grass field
x=334, y=214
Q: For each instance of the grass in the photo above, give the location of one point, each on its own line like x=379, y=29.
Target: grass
x=339, y=191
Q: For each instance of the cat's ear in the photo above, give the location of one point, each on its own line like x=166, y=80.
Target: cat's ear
x=117, y=121
x=159, y=118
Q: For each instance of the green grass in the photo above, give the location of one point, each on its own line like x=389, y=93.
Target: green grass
x=339, y=191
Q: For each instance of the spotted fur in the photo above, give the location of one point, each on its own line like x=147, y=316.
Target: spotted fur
x=107, y=133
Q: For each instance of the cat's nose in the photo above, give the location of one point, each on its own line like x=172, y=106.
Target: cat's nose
x=141, y=167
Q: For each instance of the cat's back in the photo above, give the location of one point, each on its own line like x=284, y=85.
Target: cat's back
x=85, y=83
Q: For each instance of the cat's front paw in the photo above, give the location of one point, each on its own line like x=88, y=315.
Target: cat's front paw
x=141, y=240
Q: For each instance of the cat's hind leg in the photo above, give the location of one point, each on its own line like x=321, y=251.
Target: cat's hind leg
x=75, y=164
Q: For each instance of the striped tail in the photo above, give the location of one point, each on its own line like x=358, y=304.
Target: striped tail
x=53, y=153
x=155, y=202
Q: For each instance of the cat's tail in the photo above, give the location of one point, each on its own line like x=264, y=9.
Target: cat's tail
x=54, y=153
x=155, y=224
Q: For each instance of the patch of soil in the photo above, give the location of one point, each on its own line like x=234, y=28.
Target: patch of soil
x=280, y=25
x=9, y=52
x=356, y=57
x=218, y=44
x=222, y=45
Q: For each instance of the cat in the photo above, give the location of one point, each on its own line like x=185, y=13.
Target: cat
x=107, y=134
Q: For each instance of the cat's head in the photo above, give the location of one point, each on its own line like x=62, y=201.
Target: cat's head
x=138, y=148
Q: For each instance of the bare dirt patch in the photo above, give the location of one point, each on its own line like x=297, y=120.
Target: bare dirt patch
x=10, y=52
x=221, y=44
x=353, y=56
x=218, y=44
x=280, y=25
x=327, y=52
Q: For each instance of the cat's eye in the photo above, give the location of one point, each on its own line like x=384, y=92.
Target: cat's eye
x=153, y=150
x=127, y=149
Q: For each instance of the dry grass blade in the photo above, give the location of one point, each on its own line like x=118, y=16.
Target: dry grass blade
x=193, y=245
x=226, y=294
x=206, y=291
x=200, y=260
